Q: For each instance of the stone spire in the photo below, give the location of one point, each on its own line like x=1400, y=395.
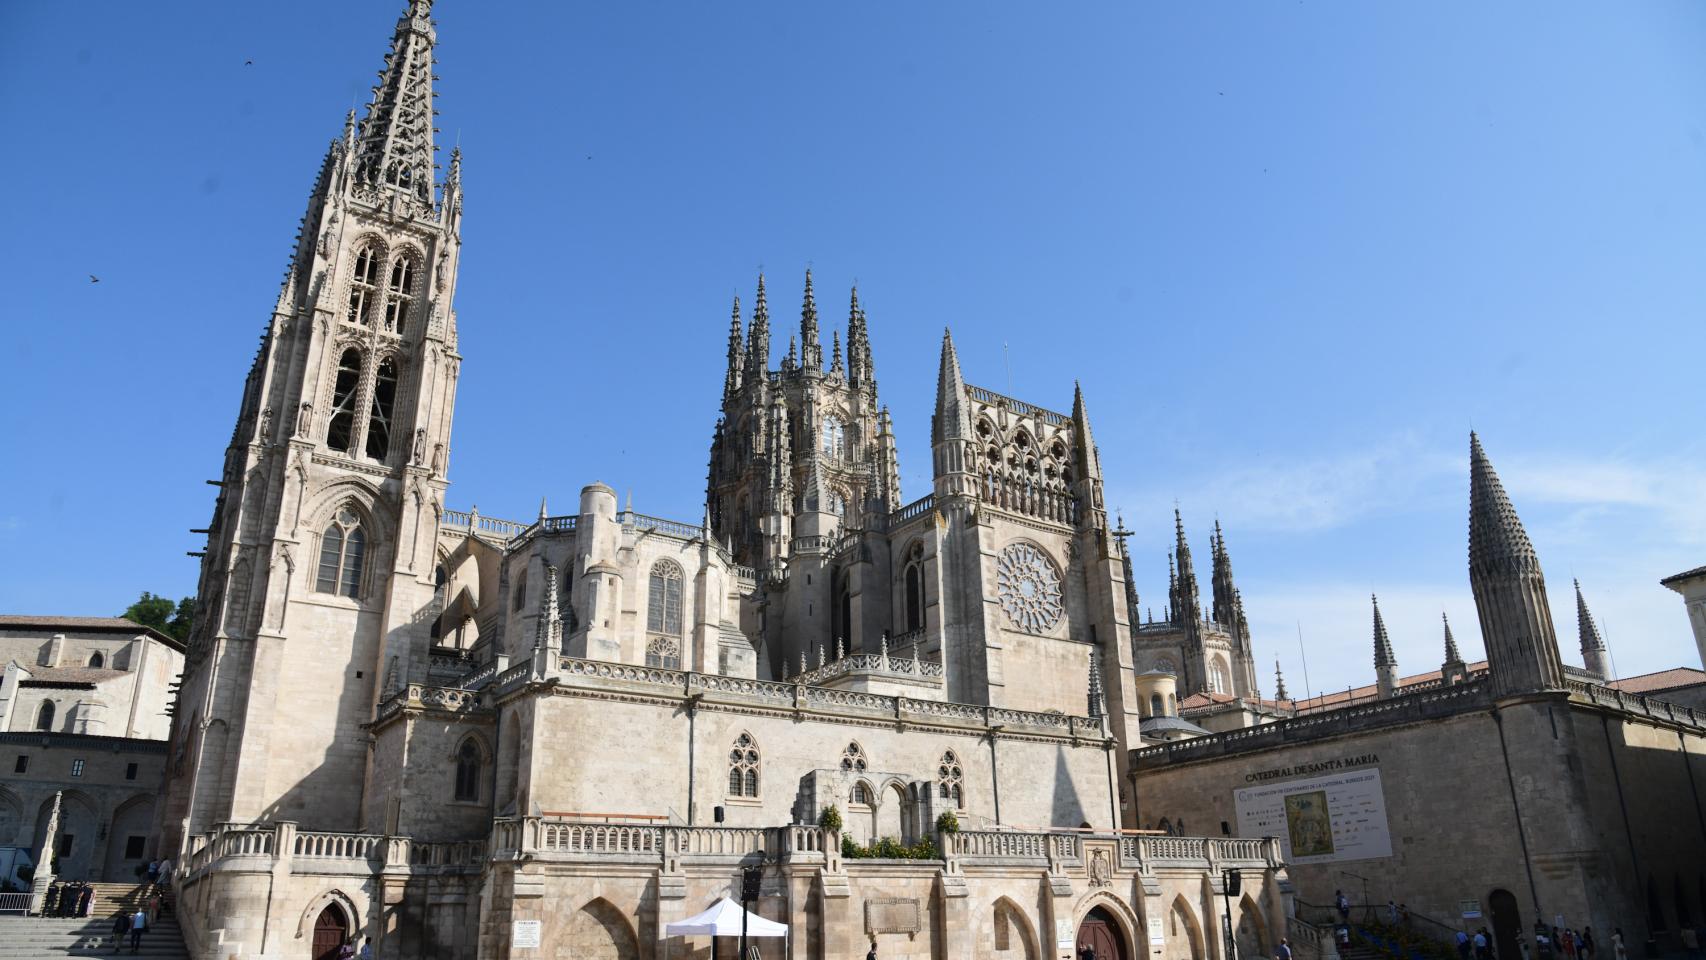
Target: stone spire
x=1510, y=590
x=1453, y=670
x=1087, y=487
x=1187, y=609
x=835, y=356
x=1132, y=607
x=1172, y=592
x=950, y=427
x=1225, y=608
x=737, y=353
x=548, y=635
x=758, y=338
x=1279, y=683
x=394, y=147
x=1593, y=645
x=859, y=367
x=792, y=360
x=811, y=349
x=1385, y=664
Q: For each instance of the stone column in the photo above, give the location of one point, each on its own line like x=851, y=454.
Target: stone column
x=44, y=860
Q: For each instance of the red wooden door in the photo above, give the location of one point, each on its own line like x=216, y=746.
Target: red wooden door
x=329, y=934
x=1099, y=934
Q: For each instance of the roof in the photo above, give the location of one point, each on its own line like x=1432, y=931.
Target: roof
x=86, y=624
x=1153, y=724
x=79, y=675
x=1661, y=680
x=1684, y=575
x=1355, y=694
x=1205, y=699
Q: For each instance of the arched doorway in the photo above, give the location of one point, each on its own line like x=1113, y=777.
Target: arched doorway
x=331, y=929
x=1507, y=923
x=1101, y=934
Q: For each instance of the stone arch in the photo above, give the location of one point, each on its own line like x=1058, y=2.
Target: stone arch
x=80, y=818
x=889, y=812
x=1252, y=930
x=1011, y=934
x=11, y=817
x=599, y=931
x=469, y=785
x=330, y=896
x=1184, y=932
x=132, y=818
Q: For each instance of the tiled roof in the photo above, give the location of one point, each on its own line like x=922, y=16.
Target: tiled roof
x=1684, y=575
x=89, y=624
x=1372, y=690
x=1662, y=680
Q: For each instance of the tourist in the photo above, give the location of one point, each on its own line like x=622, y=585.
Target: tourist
x=1344, y=905
x=154, y=908
x=121, y=926
x=153, y=872
x=1618, y=950
x=346, y=951
x=138, y=924
x=166, y=870
x=1589, y=948
x=1463, y=947
x=1481, y=944
x=366, y=950
x=50, y=900
x=1691, y=941
x=872, y=953
x=84, y=897
x=1283, y=952
x=1392, y=912
x=1404, y=914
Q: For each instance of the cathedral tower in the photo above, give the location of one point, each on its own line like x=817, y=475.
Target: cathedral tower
x=319, y=567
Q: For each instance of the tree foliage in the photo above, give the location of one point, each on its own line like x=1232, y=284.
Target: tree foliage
x=162, y=614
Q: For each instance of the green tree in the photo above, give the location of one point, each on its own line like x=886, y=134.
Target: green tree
x=171, y=619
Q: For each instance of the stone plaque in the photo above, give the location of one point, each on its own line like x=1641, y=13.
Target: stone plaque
x=525, y=934
x=893, y=915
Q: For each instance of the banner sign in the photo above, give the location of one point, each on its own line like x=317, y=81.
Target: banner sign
x=1327, y=819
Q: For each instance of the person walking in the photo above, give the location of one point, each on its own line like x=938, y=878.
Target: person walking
x=121, y=926
x=1283, y=951
x=1392, y=912
x=1618, y=949
x=1463, y=947
x=166, y=870
x=1343, y=904
x=347, y=950
x=1691, y=941
x=138, y=925
x=1481, y=944
x=872, y=953
x=366, y=950
x=153, y=872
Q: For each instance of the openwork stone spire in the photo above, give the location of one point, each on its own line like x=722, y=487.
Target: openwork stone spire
x=737, y=354
x=1451, y=654
x=1187, y=608
x=860, y=369
x=811, y=348
x=1593, y=645
x=394, y=147
x=1510, y=590
x=1095, y=696
x=835, y=356
x=758, y=338
x=1279, y=683
x=549, y=633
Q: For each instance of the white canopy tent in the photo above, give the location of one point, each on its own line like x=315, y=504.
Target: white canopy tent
x=723, y=920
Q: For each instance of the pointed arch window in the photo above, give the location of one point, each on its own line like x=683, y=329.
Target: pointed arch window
x=743, y=767
x=97, y=660
x=853, y=758
x=1218, y=681
x=342, y=545
x=384, y=402
x=915, y=589
x=861, y=794
x=363, y=283
x=834, y=437
x=1156, y=707
x=663, y=652
x=949, y=778
x=340, y=429
x=663, y=600
x=44, y=716
x=468, y=772
x=398, y=294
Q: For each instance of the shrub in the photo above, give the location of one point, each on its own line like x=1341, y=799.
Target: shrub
x=830, y=818
x=888, y=848
x=947, y=822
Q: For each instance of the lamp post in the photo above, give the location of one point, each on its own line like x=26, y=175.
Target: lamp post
x=751, y=878
x=1231, y=884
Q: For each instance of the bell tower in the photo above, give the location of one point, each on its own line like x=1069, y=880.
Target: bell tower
x=319, y=566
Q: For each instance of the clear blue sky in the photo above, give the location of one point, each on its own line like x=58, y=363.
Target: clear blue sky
x=1293, y=250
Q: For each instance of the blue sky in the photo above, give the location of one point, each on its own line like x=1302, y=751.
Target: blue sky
x=1293, y=251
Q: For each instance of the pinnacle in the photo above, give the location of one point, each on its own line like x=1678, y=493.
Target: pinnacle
x=1585, y=625
x=1451, y=654
x=1382, y=643
x=1496, y=536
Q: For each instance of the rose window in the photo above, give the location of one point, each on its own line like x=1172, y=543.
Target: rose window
x=1029, y=587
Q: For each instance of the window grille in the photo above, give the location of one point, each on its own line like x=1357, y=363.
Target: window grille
x=361, y=285
x=397, y=294
x=663, y=605
x=341, y=426
x=341, y=548
x=743, y=767
x=949, y=777
x=384, y=400
x=853, y=758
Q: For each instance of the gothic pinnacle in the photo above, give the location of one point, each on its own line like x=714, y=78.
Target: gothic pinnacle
x=811, y=349
x=1451, y=654
x=395, y=143
x=758, y=338
x=1585, y=624
x=737, y=353
x=1382, y=643
x=1496, y=536
x=1510, y=590
x=1279, y=683
x=835, y=355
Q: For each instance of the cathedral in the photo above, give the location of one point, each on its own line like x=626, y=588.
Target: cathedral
x=938, y=726
x=465, y=736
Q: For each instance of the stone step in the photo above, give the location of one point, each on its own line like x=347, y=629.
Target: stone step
x=35, y=937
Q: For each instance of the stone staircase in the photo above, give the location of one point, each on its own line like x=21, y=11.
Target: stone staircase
x=30, y=938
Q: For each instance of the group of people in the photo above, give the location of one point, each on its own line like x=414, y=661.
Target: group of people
x=1476, y=946
x=70, y=899
x=1571, y=944
x=134, y=924
x=349, y=951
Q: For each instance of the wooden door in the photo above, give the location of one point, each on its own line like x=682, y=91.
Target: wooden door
x=330, y=932
x=1099, y=933
x=1507, y=925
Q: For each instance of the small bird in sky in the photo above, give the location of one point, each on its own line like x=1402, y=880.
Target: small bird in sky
x=94, y=279
x=248, y=63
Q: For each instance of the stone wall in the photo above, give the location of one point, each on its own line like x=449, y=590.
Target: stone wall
x=109, y=786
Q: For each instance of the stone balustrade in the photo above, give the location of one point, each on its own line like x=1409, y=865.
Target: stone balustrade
x=362, y=853
x=913, y=510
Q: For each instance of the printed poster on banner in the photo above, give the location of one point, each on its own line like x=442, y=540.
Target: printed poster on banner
x=1320, y=819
